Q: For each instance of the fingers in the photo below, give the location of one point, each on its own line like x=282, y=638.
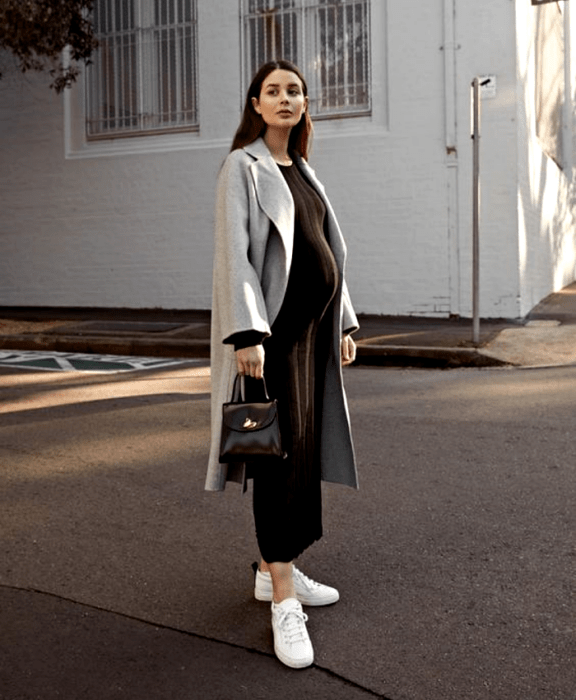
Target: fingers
x=348, y=350
x=250, y=361
x=251, y=369
x=352, y=350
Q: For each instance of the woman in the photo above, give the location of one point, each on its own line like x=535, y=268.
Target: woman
x=281, y=309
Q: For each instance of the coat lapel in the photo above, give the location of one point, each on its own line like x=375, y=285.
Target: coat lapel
x=274, y=196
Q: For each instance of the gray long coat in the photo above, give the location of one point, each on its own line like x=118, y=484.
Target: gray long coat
x=254, y=235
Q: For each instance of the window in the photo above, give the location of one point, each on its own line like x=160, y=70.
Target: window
x=328, y=39
x=143, y=76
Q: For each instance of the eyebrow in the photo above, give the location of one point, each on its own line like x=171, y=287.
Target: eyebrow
x=277, y=85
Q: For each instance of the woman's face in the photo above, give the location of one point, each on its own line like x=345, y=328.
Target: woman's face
x=282, y=101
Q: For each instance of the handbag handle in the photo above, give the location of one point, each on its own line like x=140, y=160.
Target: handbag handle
x=239, y=392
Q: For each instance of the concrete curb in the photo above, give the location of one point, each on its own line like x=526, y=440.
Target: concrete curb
x=367, y=354
x=111, y=345
x=426, y=356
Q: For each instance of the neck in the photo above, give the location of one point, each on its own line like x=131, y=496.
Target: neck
x=277, y=142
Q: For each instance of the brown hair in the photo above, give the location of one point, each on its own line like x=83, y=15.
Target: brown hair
x=252, y=125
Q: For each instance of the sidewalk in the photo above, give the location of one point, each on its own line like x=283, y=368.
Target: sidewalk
x=546, y=338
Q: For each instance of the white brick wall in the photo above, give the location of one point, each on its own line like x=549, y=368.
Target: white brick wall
x=547, y=231
x=485, y=34
x=106, y=228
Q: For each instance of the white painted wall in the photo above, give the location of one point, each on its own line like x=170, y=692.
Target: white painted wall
x=129, y=223
x=547, y=229
x=485, y=35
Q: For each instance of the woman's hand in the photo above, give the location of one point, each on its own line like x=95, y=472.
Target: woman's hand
x=348, y=348
x=250, y=361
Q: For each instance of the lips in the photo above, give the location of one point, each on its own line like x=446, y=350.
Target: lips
x=285, y=111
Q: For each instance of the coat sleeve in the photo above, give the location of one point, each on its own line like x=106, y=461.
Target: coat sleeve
x=237, y=291
x=349, y=320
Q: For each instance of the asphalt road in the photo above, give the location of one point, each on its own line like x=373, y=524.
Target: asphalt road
x=121, y=578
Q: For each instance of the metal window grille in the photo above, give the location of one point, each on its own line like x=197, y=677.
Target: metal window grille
x=328, y=39
x=143, y=75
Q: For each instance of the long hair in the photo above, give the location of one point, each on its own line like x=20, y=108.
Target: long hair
x=252, y=125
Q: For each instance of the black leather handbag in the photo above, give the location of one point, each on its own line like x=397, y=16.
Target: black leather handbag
x=250, y=430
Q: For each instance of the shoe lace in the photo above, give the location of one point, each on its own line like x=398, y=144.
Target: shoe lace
x=305, y=580
x=292, y=624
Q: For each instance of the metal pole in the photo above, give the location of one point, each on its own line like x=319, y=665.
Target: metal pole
x=476, y=212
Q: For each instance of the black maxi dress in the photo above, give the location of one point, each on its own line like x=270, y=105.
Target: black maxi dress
x=287, y=493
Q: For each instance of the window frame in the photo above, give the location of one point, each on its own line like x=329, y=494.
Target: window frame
x=148, y=92
x=218, y=117
x=306, y=46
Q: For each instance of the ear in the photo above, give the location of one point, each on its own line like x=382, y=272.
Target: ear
x=256, y=105
x=305, y=102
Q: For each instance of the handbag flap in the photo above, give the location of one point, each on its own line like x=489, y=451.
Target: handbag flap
x=248, y=417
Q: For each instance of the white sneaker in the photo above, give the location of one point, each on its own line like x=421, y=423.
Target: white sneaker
x=292, y=644
x=308, y=592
